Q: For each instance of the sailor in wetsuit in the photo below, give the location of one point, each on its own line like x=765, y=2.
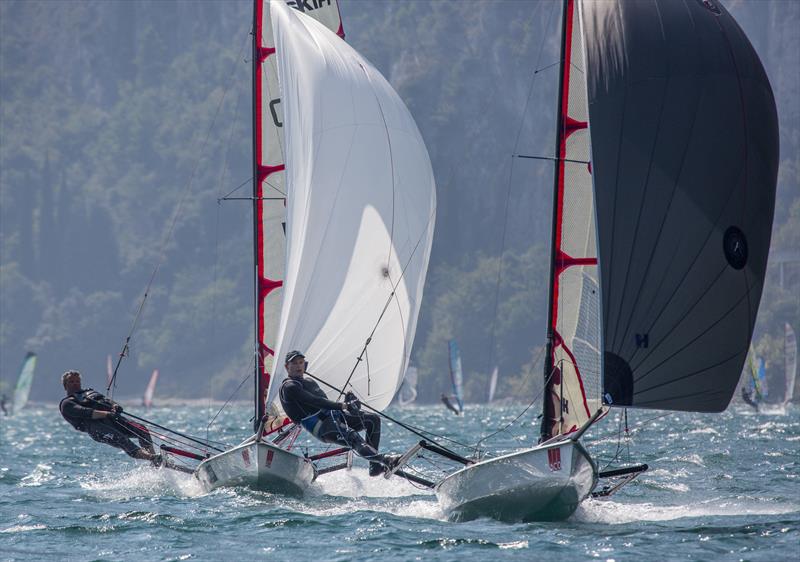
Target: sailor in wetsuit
x=331, y=422
x=89, y=411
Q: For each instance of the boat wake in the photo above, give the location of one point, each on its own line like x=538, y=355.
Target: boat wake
x=613, y=513
x=364, y=493
x=142, y=481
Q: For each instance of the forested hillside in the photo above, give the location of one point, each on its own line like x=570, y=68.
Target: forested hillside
x=112, y=111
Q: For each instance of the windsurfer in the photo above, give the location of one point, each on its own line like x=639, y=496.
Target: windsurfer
x=89, y=411
x=3, y=400
x=331, y=422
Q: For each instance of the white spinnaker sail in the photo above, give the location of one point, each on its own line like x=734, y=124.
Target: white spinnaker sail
x=270, y=206
x=360, y=216
x=150, y=390
x=24, y=382
x=790, y=361
x=574, y=384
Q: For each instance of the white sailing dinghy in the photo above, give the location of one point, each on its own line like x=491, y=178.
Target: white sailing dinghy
x=667, y=154
x=360, y=208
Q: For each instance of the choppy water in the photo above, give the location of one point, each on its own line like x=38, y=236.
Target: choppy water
x=721, y=487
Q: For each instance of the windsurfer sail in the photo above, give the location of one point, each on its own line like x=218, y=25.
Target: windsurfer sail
x=24, y=382
x=147, y=399
x=455, y=402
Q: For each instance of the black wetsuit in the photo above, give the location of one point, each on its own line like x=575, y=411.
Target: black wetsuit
x=77, y=409
x=305, y=403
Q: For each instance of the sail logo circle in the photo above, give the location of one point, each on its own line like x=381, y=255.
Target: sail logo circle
x=734, y=244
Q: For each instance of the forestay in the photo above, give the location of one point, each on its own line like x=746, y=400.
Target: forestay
x=360, y=214
x=684, y=161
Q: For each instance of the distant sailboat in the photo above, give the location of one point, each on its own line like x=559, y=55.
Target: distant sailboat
x=109, y=370
x=408, y=390
x=24, y=382
x=455, y=402
x=492, y=384
x=789, y=362
x=147, y=399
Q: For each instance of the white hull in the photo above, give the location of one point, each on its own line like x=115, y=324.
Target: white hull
x=262, y=466
x=544, y=483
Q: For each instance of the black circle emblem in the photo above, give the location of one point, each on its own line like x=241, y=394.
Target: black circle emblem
x=734, y=243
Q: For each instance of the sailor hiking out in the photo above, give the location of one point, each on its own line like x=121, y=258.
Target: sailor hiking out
x=90, y=412
x=331, y=422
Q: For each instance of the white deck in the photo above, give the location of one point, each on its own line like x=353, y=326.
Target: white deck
x=544, y=483
x=262, y=466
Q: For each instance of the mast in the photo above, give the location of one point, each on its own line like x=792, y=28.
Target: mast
x=258, y=360
x=548, y=411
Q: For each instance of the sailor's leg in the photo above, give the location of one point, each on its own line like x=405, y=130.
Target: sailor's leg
x=335, y=429
x=113, y=436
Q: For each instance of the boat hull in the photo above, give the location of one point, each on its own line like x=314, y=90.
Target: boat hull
x=261, y=466
x=545, y=483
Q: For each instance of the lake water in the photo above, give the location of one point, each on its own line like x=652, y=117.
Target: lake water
x=720, y=487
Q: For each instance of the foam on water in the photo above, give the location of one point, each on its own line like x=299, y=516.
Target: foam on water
x=142, y=481
x=613, y=513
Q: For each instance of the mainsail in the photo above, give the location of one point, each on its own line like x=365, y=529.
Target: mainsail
x=790, y=361
x=147, y=400
x=269, y=187
x=572, y=364
x=684, y=161
x=456, y=374
x=360, y=214
x=24, y=382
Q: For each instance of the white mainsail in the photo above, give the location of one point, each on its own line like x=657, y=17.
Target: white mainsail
x=573, y=375
x=360, y=213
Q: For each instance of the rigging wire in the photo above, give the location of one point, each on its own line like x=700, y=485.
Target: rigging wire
x=244, y=380
x=168, y=236
x=493, y=338
x=216, y=245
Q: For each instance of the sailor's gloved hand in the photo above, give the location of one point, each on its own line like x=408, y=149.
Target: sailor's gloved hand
x=350, y=396
x=353, y=406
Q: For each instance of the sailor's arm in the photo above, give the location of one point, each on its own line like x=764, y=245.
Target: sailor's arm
x=73, y=410
x=294, y=391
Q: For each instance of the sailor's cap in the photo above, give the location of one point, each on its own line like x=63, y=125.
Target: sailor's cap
x=294, y=355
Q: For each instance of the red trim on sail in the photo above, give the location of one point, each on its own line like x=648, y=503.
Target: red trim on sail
x=564, y=260
x=265, y=171
x=559, y=342
x=562, y=148
x=571, y=125
x=264, y=52
x=259, y=203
